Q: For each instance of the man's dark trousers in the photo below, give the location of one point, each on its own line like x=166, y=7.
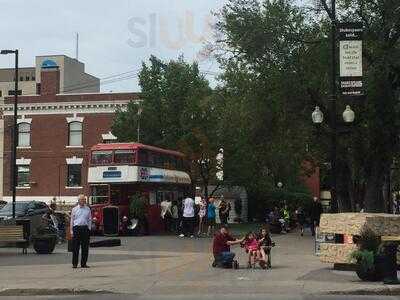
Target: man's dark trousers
x=80, y=240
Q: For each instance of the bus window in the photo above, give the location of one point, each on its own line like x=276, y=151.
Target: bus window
x=124, y=156
x=151, y=158
x=101, y=157
x=152, y=198
x=143, y=157
x=173, y=162
x=179, y=164
x=166, y=161
x=160, y=161
x=160, y=197
x=99, y=194
x=115, y=195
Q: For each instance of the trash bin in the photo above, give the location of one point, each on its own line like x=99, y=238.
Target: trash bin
x=390, y=264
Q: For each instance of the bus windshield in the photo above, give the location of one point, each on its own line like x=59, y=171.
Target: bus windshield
x=99, y=194
x=101, y=157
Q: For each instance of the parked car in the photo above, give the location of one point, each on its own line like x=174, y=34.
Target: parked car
x=2, y=203
x=32, y=210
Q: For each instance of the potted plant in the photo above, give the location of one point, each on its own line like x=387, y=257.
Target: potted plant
x=367, y=258
x=45, y=239
x=137, y=213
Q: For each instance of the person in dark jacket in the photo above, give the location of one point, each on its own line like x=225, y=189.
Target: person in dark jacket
x=301, y=219
x=315, y=214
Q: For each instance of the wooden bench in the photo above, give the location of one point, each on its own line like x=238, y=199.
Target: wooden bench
x=14, y=234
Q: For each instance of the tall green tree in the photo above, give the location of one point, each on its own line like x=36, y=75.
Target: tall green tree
x=276, y=61
x=266, y=62
x=178, y=112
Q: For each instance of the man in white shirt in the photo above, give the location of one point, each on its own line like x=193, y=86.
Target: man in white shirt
x=188, y=217
x=80, y=224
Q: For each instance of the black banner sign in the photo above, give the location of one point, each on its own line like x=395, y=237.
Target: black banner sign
x=350, y=53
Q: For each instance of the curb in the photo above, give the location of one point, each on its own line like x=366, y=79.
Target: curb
x=51, y=292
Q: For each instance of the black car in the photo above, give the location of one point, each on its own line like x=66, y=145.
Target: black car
x=32, y=210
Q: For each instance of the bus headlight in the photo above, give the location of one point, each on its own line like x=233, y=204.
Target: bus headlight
x=95, y=220
x=125, y=219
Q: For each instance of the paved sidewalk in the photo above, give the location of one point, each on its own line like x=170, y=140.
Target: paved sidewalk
x=169, y=265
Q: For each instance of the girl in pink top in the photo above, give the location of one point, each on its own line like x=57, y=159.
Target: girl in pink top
x=252, y=247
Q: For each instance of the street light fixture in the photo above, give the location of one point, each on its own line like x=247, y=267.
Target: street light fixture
x=279, y=185
x=15, y=131
x=317, y=116
x=348, y=115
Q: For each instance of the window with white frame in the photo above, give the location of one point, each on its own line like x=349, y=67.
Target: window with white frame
x=74, y=175
x=75, y=134
x=23, y=175
x=24, y=134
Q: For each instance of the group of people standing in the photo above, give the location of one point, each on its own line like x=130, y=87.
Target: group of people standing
x=185, y=216
x=284, y=218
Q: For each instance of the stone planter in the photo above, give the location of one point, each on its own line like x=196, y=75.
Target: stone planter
x=44, y=244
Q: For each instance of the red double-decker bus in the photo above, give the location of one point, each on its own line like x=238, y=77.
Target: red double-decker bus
x=120, y=171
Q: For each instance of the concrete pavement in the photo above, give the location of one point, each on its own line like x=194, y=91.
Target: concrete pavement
x=205, y=297
x=170, y=266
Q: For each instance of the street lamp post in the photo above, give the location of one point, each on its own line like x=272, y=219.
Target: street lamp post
x=15, y=131
x=318, y=118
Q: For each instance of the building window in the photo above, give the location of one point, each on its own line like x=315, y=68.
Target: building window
x=27, y=78
x=74, y=175
x=12, y=92
x=75, y=134
x=24, y=135
x=33, y=78
x=23, y=175
x=21, y=78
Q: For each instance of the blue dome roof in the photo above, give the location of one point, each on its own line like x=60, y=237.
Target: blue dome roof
x=48, y=63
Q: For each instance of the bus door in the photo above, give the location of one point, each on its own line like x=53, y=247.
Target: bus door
x=111, y=214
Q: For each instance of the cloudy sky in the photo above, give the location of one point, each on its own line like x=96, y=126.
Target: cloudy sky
x=114, y=36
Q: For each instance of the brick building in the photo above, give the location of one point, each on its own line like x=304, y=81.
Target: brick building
x=55, y=133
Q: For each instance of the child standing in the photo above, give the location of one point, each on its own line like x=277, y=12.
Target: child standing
x=265, y=242
x=202, y=214
x=210, y=216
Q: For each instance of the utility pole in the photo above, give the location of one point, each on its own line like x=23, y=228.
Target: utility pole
x=13, y=164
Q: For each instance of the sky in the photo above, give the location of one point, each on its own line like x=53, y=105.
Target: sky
x=115, y=37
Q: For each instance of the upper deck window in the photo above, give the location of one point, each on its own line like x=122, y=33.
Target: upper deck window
x=143, y=157
x=124, y=156
x=102, y=157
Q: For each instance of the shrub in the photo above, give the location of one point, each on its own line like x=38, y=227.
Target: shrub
x=137, y=206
